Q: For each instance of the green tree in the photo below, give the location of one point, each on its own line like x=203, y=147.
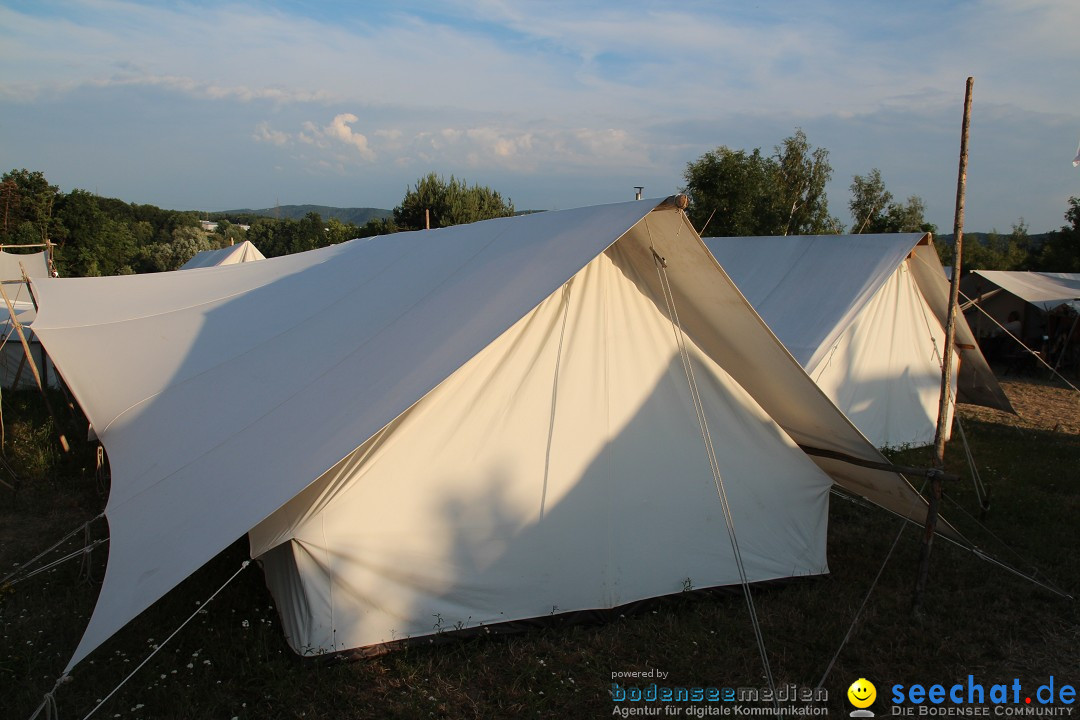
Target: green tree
x=908, y=217
x=27, y=201
x=1061, y=251
x=378, y=226
x=83, y=224
x=869, y=201
x=873, y=210
x=735, y=192
x=999, y=252
x=732, y=193
x=801, y=173
x=339, y=232
x=264, y=234
x=448, y=202
x=310, y=233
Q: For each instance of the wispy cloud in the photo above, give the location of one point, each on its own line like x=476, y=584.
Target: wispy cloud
x=479, y=147
x=263, y=133
x=559, y=89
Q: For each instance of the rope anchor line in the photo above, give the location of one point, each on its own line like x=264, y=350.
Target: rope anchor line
x=9, y=579
x=710, y=451
x=158, y=648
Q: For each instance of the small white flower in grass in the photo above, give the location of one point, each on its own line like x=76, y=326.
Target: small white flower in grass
x=205, y=662
x=245, y=624
x=189, y=666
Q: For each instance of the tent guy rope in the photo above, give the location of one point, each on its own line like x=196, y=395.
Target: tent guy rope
x=866, y=599
x=22, y=568
x=157, y=648
x=669, y=299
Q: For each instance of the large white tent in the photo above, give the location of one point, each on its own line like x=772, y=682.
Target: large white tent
x=478, y=424
x=231, y=255
x=865, y=316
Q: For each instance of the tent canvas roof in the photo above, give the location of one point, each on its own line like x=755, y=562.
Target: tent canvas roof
x=809, y=290
x=11, y=265
x=240, y=253
x=204, y=396
x=1045, y=290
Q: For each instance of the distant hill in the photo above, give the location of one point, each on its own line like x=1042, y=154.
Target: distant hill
x=356, y=216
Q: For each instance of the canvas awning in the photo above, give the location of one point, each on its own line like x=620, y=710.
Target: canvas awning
x=1044, y=290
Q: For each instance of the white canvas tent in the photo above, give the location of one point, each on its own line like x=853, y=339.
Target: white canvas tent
x=1045, y=290
x=12, y=265
x=1027, y=296
x=1039, y=308
x=15, y=371
x=865, y=316
x=479, y=423
x=240, y=253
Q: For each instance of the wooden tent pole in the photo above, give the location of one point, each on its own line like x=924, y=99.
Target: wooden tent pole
x=33, y=366
x=944, y=402
x=29, y=290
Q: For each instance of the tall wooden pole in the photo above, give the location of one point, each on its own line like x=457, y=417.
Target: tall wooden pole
x=33, y=366
x=944, y=402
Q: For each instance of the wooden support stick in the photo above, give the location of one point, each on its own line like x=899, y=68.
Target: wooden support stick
x=944, y=401
x=30, y=290
x=33, y=366
x=18, y=372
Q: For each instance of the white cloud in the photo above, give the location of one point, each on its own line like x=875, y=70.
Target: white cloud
x=519, y=149
x=557, y=89
x=263, y=133
x=339, y=129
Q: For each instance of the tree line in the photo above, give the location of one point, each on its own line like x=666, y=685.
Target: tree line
x=94, y=236
x=739, y=193
x=733, y=192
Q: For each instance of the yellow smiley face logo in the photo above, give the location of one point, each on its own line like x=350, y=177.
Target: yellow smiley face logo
x=862, y=693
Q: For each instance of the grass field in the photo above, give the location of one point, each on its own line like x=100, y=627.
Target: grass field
x=232, y=660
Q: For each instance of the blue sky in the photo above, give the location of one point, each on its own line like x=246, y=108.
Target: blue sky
x=555, y=104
